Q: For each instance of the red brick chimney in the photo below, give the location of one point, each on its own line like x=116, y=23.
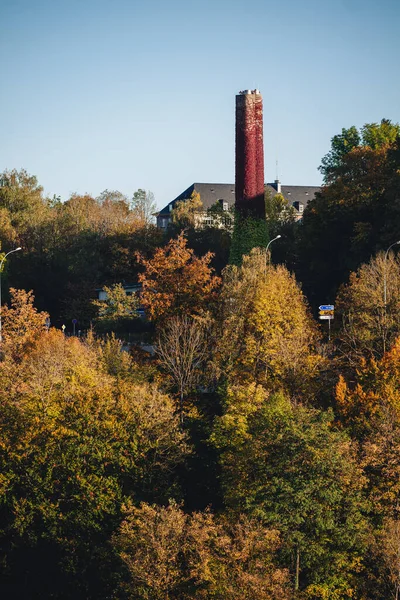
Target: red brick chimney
x=249, y=154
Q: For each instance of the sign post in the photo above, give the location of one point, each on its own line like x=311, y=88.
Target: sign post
x=326, y=313
x=74, y=322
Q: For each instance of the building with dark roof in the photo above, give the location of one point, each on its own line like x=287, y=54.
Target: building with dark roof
x=210, y=193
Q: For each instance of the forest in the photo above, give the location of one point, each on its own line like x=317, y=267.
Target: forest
x=233, y=449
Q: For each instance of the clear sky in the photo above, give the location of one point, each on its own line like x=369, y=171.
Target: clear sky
x=122, y=94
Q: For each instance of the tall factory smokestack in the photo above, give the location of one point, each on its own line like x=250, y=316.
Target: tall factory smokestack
x=249, y=154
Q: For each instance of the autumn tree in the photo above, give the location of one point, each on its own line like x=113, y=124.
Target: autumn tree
x=370, y=409
x=173, y=555
x=22, y=325
x=389, y=545
x=368, y=405
x=22, y=197
x=369, y=308
x=175, y=281
x=266, y=332
x=75, y=441
x=371, y=135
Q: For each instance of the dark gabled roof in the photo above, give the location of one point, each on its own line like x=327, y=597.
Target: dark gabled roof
x=210, y=193
x=298, y=193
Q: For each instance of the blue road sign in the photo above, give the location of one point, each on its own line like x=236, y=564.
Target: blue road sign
x=327, y=307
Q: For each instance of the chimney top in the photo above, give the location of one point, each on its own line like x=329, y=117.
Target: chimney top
x=248, y=92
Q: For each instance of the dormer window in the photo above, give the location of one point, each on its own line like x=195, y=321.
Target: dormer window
x=224, y=204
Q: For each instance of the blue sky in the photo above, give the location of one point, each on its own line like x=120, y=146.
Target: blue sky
x=124, y=94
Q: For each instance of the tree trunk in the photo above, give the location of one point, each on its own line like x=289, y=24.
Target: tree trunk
x=296, y=581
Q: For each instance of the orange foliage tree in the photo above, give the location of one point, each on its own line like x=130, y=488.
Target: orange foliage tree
x=371, y=411
x=22, y=324
x=176, y=281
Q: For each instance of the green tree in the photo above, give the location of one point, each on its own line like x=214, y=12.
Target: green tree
x=186, y=212
x=117, y=305
x=291, y=468
x=355, y=214
x=278, y=212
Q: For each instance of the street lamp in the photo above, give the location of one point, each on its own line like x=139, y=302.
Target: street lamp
x=1, y=268
x=270, y=242
x=279, y=236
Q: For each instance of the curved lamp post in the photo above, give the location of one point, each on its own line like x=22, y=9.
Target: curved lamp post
x=270, y=242
x=1, y=268
x=268, y=245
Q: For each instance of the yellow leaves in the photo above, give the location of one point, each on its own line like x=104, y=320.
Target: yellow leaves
x=170, y=554
x=242, y=401
x=185, y=212
x=376, y=394
x=369, y=325
x=267, y=334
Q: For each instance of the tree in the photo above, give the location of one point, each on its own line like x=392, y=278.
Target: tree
x=355, y=214
x=266, y=333
x=341, y=144
x=173, y=555
x=182, y=350
x=278, y=213
x=370, y=409
x=143, y=206
x=117, y=305
x=175, y=281
x=372, y=135
x=369, y=325
x=185, y=212
x=22, y=325
x=288, y=466
x=75, y=443
x=390, y=549
x=20, y=193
